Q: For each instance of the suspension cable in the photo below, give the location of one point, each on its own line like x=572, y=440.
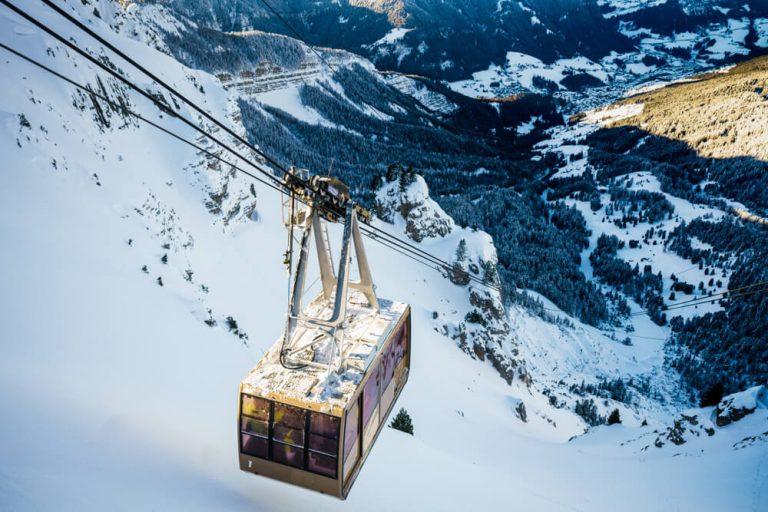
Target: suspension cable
x=406, y=249
x=122, y=108
x=708, y=300
x=140, y=90
x=276, y=183
x=151, y=75
x=720, y=293
x=162, y=83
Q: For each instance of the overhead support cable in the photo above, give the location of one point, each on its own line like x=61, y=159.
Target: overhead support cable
x=384, y=237
x=122, y=108
x=138, y=89
x=160, y=81
x=379, y=235
x=189, y=102
x=720, y=293
x=736, y=292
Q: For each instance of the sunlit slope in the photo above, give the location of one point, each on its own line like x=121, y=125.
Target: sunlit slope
x=720, y=115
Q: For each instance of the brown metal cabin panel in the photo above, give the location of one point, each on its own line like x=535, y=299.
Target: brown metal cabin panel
x=399, y=380
x=290, y=475
x=351, y=444
x=371, y=416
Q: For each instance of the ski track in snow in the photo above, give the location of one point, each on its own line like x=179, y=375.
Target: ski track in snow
x=117, y=396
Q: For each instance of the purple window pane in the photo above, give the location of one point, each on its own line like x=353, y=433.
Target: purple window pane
x=322, y=464
x=323, y=444
x=350, y=429
x=288, y=435
x=256, y=407
x=288, y=416
x=324, y=425
x=388, y=364
x=252, y=426
x=287, y=454
x=370, y=395
x=256, y=446
x=402, y=343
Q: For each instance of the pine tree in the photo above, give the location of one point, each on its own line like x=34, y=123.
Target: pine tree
x=232, y=324
x=402, y=422
x=614, y=417
x=461, y=250
x=490, y=275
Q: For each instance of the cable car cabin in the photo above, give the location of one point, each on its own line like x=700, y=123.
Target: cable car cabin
x=309, y=426
x=312, y=408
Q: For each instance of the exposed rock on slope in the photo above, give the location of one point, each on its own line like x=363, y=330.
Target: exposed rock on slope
x=737, y=406
x=480, y=328
x=699, y=423
x=408, y=196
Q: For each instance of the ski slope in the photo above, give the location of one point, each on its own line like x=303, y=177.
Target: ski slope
x=117, y=395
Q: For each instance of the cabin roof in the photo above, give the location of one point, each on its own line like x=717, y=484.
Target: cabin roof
x=316, y=388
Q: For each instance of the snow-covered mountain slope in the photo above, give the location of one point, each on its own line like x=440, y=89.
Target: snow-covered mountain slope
x=312, y=100
x=444, y=40
x=143, y=279
x=671, y=183
x=662, y=52
x=497, y=48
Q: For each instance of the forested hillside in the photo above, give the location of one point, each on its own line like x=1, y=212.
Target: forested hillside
x=489, y=48
x=686, y=170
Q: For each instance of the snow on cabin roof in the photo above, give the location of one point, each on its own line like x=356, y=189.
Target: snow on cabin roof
x=316, y=388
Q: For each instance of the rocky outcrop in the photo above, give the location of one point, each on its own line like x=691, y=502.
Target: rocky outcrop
x=734, y=407
x=403, y=199
x=479, y=325
x=683, y=428
x=698, y=423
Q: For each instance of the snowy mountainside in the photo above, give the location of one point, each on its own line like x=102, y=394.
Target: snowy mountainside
x=431, y=99
x=444, y=40
x=663, y=51
x=312, y=98
x=493, y=49
x=147, y=279
x=676, y=212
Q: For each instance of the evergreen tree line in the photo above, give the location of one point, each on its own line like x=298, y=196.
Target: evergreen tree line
x=728, y=348
x=643, y=286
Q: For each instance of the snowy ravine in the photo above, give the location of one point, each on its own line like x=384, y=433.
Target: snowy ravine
x=142, y=281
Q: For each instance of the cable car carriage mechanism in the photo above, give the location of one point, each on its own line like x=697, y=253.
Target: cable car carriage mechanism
x=311, y=409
